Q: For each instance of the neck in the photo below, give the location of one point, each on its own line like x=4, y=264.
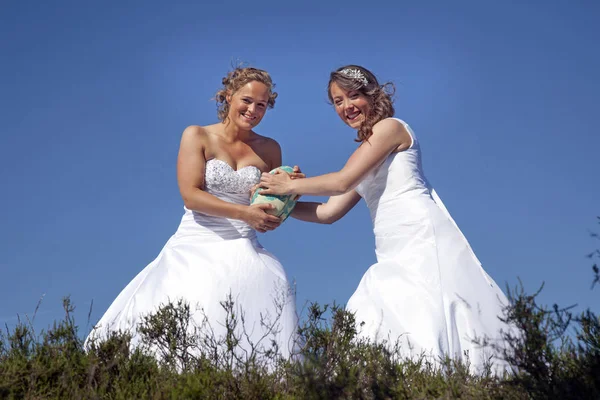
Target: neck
x=231, y=132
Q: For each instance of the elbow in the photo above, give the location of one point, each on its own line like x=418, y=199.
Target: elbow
x=187, y=204
x=332, y=218
x=329, y=218
x=341, y=187
x=328, y=221
x=344, y=184
x=188, y=200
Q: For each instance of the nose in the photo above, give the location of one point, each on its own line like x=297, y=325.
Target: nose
x=251, y=108
x=348, y=104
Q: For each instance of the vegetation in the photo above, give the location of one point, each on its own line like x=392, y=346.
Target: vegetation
x=555, y=356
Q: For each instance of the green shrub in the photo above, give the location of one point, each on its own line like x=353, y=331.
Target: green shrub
x=555, y=355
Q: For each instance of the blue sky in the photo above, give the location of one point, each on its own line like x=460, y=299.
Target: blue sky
x=502, y=95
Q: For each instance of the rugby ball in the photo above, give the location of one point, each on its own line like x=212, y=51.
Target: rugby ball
x=282, y=205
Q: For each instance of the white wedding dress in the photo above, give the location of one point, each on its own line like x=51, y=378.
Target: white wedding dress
x=428, y=288
x=207, y=259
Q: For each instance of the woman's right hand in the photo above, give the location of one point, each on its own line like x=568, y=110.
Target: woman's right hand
x=257, y=217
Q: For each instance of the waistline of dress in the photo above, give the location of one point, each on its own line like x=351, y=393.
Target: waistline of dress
x=207, y=226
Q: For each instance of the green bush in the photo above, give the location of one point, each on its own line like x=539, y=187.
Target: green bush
x=333, y=362
x=555, y=355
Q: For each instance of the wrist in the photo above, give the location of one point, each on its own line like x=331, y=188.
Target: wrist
x=239, y=212
x=292, y=187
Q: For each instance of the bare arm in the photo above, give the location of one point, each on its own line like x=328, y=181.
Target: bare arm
x=190, y=177
x=275, y=154
x=326, y=213
x=388, y=135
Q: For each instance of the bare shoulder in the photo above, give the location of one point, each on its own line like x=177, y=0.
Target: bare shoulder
x=390, y=126
x=393, y=130
x=195, y=135
x=195, y=132
x=272, y=144
x=269, y=150
x=267, y=143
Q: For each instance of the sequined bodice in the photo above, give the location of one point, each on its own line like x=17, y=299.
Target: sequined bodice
x=220, y=177
x=222, y=181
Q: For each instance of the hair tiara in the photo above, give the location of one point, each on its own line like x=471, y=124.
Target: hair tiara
x=355, y=73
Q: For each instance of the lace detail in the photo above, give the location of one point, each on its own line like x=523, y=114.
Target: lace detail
x=220, y=177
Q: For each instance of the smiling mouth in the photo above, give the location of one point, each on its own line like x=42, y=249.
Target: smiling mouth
x=353, y=116
x=248, y=118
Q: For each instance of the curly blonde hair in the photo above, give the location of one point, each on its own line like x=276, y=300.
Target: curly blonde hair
x=237, y=78
x=379, y=96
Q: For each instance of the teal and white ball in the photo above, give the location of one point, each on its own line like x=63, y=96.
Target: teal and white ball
x=282, y=205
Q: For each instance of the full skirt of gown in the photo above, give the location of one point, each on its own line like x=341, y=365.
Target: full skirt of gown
x=208, y=261
x=428, y=291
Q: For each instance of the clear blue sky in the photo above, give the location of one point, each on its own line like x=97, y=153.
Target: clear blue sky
x=94, y=96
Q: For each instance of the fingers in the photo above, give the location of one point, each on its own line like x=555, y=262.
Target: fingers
x=265, y=179
x=253, y=189
x=271, y=226
x=268, y=225
x=261, y=220
x=271, y=219
x=265, y=176
x=268, y=176
x=269, y=179
x=268, y=218
x=297, y=175
x=275, y=184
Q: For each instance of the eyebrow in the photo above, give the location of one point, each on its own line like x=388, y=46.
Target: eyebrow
x=252, y=98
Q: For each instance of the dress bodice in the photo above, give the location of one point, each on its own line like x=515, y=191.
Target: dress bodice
x=396, y=189
x=221, y=179
x=230, y=185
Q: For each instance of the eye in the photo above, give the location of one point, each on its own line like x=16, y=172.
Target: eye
x=247, y=101
x=262, y=105
x=354, y=96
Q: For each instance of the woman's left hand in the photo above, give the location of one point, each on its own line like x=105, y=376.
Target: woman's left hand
x=278, y=183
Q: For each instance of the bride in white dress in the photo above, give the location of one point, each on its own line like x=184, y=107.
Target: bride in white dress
x=427, y=289
x=215, y=252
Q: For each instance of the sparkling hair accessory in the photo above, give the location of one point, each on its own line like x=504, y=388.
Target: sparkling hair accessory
x=355, y=74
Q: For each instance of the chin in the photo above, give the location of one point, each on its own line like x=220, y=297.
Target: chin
x=355, y=124
x=247, y=124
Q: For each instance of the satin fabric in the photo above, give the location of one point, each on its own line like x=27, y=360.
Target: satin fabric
x=206, y=260
x=428, y=290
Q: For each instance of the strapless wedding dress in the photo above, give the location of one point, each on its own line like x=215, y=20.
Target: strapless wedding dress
x=207, y=259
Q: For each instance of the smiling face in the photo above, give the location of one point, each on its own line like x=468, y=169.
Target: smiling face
x=351, y=105
x=248, y=105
